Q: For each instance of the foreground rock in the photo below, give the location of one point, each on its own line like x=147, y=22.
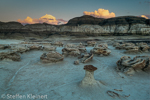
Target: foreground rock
x=10, y=55
x=101, y=49
x=51, y=57
x=129, y=66
x=89, y=80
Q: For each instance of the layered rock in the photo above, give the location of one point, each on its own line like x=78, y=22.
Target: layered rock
x=10, y=55
x=89, y=80
x=129, y=66
x=132, y=48
x=84, y=25
x=91, y=43
x=101, y=49
x=74, y=50
x=51, y=57
x=87, y=57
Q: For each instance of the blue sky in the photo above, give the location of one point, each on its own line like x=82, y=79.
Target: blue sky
x=12, y=10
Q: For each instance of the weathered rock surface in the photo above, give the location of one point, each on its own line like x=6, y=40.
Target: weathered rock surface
x=132, y=48
x=51, y=57
x=10, y=55
x=101, y=49
x=73, y=50
x=129, y=66
x=57, y=43
x=84, y=25
x=84, y=58
x=4, y=46
x=91, y=43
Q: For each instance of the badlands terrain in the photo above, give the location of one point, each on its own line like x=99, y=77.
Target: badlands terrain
x=75, y=68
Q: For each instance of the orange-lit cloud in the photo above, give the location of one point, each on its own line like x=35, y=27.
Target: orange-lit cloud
x=144, y=16
x=101, y=13
x=44, y=19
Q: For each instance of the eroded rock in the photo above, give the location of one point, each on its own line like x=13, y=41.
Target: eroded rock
x=51, y=57
x=129, y=66
x=89, y=80
x=73, y=50
x=10, y=55
x=101, y=49
x=58, y=43
x=91, y=43
x=4, y=46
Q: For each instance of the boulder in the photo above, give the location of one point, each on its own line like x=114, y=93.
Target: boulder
x=10, y=55
x=49, y=48
x=35, y=47
x=57, y=43
x=143, y=46
x=101, y=49
x=129, y=66
x=91, y=43
x=51, y=57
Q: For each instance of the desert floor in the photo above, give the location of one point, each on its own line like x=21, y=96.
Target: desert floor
x=60, y=81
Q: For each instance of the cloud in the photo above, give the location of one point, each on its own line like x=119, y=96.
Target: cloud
x=101, y=13
x=44, y=19
x=145, y=16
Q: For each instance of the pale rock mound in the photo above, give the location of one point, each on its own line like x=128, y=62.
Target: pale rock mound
x=73, y=50
x=132, y=48
x=49, y=48
x=35, y=47
x=10, y=55
x=51, y=57
x=143, y=46
x=101, y=49
x=129, y=66
x=58, y=43
x=20, y=48
x=91, y=43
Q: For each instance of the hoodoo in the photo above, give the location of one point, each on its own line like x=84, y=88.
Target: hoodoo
x=89, y=80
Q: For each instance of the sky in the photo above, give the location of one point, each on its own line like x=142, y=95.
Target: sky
x=60, y=11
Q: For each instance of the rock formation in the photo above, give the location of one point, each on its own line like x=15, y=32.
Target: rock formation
x=101, y=49
x=10, y=55
x=51, y=57
x=74, y=50
x=20, y=48
x=87, y=57
x=89, y=80
x=84, y=25
x=57, y=43
x=91, y=43
x=35, y=47
x=4, y=46
x=129, y=66
x=132, y=48
x=49, y=48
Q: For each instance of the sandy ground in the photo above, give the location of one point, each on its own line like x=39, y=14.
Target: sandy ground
x=60, y=81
